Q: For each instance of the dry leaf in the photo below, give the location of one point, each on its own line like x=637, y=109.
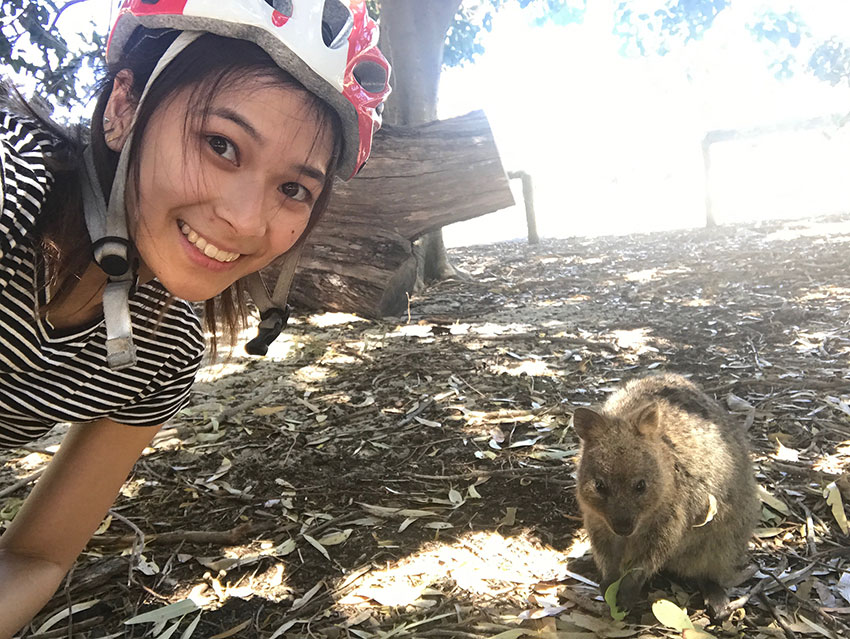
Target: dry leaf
x=772, y=501
x=336, y=538
x=317, y=546
x=302, y=601
x=510, y=516
x=833, y=499
x=712, y=511
x=428, y=422
x=223, y=469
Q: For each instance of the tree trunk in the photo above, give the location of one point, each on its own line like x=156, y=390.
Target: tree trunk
x=359, y=258
x=413, y=33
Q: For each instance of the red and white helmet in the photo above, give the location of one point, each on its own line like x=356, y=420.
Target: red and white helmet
x=330, y=46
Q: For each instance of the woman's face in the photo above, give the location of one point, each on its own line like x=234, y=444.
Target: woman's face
x=222, y=198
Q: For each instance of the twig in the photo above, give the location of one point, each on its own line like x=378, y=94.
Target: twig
x=418, y=411
x=473, y=474
x=21, y=483
x=789, y=634
x=810, y=532
x=138, y=543
x=470, y=385
x=581, y=601
x=220, y=538
x=804, y=603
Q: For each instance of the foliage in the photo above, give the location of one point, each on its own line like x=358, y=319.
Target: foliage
x=49, y=60
x=830, y=61
x=645, y=28
x=782, y=33
x=463, y=39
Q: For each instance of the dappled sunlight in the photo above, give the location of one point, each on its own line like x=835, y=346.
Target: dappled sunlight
x=635, y=340
x=835, y=463
x=216, y=371
x=312, y=374
x=832, y=231
x=482, y=566
x=534, y=367
x=647, y=275
x=325, y=320
x=822, y=343
x=826, y=292
x=33, y=461
x=580, y=546
x=698, y=302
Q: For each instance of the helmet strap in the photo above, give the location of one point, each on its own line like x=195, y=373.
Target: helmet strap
x=274, y=311
x=107, y=227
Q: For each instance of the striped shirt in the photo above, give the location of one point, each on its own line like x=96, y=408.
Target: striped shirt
x=49, y=376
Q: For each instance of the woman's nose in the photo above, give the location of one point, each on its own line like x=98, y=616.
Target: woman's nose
x=243, y=207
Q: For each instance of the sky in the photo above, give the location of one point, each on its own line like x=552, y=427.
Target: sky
x=613, y=144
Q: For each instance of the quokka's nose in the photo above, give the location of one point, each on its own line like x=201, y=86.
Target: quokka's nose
x=623, y=526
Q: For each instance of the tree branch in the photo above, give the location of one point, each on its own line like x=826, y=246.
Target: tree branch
x=61, y=10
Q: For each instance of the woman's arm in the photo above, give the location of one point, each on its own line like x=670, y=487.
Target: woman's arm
x=64, y=509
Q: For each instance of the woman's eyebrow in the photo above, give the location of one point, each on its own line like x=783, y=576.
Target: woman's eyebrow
x=229, y=114
x=233, y=116
x=311, y=172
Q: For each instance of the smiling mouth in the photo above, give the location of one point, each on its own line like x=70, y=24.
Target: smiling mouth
x=207, y=248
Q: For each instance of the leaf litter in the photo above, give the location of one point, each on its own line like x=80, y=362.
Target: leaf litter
x=415, y=478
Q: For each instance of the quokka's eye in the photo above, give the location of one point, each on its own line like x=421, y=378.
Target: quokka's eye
x=600, y=486
x=640, y=486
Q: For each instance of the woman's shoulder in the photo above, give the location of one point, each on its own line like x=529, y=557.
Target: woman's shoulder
x=25, y=177
x=24, y=137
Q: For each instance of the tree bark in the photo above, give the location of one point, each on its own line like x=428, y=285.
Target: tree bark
x=359, y=258
x=413, y=33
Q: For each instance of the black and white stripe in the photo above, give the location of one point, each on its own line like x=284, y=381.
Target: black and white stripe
x=49, y=376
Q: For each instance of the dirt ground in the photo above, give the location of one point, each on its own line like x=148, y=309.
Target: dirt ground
x=415, y=477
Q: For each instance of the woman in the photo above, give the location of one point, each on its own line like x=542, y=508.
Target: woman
x=213, y=148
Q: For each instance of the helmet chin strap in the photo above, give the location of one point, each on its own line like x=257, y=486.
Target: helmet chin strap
x=274, y=311
x=107, y=227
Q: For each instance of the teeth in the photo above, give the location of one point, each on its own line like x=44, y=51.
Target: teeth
x=208, y=249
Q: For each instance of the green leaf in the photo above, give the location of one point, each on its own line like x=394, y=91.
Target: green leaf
x=611, y=599
x=671, y=616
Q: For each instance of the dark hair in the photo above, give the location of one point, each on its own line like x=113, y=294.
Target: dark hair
x=208, y=65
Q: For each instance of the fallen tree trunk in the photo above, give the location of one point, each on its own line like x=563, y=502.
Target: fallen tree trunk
x=360, y=257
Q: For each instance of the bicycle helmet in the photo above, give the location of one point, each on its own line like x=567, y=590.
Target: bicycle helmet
x=330, y=46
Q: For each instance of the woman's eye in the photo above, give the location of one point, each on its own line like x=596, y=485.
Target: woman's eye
x=223, y=147
x=295, y=191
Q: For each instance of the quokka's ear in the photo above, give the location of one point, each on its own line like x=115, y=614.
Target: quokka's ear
x=587, y=423
x=648, y=420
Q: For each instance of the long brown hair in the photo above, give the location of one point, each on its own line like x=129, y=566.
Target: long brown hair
x=207, y=65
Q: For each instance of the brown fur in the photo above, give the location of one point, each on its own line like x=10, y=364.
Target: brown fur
x=649, y=461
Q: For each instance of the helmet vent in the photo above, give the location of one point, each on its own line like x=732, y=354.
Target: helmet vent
x=337, y=23
x=283, y=6
x=371, y=76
